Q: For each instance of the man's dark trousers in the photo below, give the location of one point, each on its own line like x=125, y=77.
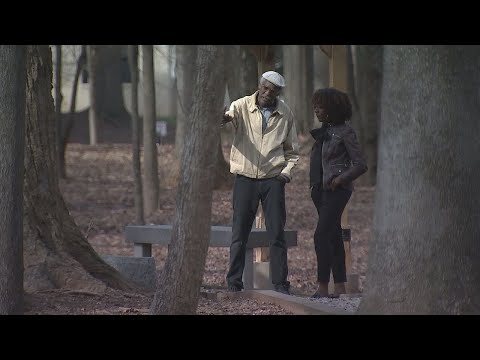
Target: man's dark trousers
x=247, y=193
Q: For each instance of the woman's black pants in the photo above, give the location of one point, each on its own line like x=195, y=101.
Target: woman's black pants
x=328, y=234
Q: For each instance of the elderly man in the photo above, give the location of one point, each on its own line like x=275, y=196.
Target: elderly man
x=264, y=151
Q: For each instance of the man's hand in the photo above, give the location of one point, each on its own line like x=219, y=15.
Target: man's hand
x=283, y=178
x=336, y=182
x=226, y=118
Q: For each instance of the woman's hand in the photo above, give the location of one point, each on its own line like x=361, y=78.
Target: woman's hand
x=335, y=183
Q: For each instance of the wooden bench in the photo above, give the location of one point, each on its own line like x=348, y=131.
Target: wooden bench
x=144, y=236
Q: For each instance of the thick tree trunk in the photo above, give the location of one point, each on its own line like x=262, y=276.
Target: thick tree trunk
x=150, y=160
x=424, y=256
x=12, y=143
x=56, y=255
x=185, y=70
x=241, y=71
x=137, y=173
x=178, y=289
x=66, y=129
x=108, y=84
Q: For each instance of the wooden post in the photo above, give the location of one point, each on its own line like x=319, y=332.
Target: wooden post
x=266, y=61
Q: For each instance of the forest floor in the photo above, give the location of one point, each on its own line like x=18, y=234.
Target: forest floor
x=99, y=195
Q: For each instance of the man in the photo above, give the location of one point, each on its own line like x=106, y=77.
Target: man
x=264, y=151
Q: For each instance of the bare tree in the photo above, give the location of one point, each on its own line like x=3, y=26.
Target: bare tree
x=12, y=143
x=137, y=174
x=58, y=103
x=185, y=71
x=424, y=256
x=178, y=289
x=110, y=70
x=150, y=160
x=56, y=255
x=66, y=127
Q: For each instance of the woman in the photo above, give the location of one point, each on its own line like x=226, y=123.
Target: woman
x=336, y=160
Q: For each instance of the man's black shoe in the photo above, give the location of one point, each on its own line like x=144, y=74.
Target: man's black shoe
x=233, y=288
x=282, y=289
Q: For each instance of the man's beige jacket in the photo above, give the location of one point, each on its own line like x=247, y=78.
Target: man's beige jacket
x=262, y=155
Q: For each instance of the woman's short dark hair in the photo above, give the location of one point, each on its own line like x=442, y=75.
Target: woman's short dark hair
x=335, y=102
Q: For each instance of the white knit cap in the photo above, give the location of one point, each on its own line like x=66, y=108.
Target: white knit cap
x=275, y=78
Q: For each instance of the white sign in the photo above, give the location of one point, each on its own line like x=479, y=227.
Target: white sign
x=161, y=128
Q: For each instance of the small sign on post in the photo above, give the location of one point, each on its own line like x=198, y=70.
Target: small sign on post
x=161, y=130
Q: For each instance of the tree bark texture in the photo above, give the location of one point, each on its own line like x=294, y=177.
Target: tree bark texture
x=178, y=289
x=424, y=255
x=12, y=143
x=185, y=70
x=56, y=255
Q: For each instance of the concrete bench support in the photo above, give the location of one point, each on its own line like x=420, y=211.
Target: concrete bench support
x=144, y=236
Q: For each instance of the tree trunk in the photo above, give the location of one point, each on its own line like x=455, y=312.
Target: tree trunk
x=233, y=72
x=298, y=91
x=241, y=72
x=67, y=128
x=424, y=256
x=223, y=177
x=108, y=85
x=265, y=55
x=368, y=80
x=242, y=80
x=12, y=144
x=249, y=71
x=150, y=160
x=185, y=71
x=178, y=289
x=93, y=91
x=321, y=69
x=356, y=120
x=172, y=80
x=58, y=104
x=56, y=255
x=137, y=173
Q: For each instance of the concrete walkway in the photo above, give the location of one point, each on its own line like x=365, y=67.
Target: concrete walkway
x=295, y=304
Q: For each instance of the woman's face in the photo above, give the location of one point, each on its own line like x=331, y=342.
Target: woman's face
x=320, y=113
